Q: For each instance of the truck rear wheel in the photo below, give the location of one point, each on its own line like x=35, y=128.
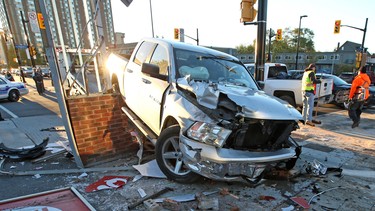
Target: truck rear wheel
x=169, y=157
x=288, y=99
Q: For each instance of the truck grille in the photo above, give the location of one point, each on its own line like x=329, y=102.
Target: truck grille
x=261, y=135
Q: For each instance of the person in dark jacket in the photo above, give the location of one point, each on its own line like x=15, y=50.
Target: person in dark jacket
x=38, y=78
x=308, y=95
x=9, y=76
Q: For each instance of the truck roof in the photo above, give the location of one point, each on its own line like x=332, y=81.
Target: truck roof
x=186, y=46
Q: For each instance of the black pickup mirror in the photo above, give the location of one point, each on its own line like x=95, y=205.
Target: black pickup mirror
x=153, y=71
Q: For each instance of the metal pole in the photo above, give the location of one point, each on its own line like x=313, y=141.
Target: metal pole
x=364, y=36
x=27, y=39
x=261, y=40
x=52, y=61
x=269, y=45
x=152, y=21
x=299, y=34
x=197, y=37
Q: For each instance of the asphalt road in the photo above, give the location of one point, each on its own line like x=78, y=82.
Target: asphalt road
x=32, y=104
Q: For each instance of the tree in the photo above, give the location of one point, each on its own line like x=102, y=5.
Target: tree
x=289, y=42
x=242, y=49
x=287, y=45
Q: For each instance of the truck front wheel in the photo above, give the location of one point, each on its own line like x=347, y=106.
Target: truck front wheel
x=169, y=157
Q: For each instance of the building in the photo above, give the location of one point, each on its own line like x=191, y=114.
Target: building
x=71, y=16
x=327, y=62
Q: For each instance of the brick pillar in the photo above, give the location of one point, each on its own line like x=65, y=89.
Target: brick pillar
x=101, y=130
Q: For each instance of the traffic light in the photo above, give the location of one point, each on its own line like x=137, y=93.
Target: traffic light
x=337, y=27
x=32, y=51
x=358, y=59
x=248, y=12
x=279, y=34
x=176, y=34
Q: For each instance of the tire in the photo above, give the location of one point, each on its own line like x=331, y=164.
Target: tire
x=288, y=99
x=14, y=96
x=169, y=157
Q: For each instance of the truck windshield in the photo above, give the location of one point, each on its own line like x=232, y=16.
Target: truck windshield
x=218, y=69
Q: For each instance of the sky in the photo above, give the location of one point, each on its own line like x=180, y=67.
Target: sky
x=218, y=21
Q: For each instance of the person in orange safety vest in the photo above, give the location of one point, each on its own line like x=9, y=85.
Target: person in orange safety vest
x=359, y=92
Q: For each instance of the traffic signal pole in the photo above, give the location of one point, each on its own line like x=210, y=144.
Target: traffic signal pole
x=364, y=33
x=261, y=40
x=27, y=39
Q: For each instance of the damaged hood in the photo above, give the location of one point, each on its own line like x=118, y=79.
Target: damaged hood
x=253, y=103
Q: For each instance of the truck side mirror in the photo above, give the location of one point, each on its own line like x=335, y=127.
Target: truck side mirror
x=153, y=71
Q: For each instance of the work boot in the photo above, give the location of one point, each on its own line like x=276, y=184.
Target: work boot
x=316, y=122
x=310, y=123
x=355, y=124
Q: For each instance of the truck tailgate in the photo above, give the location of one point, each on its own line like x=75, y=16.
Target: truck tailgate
x=324, y=88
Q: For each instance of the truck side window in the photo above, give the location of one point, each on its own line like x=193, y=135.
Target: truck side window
x=160, y=58
x=143, y=52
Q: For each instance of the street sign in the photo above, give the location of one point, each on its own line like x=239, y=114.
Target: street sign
x=33, y=22
x=20, y=46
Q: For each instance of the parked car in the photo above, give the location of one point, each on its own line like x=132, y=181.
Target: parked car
x=12, y=90
x=341, y=90
x=347, y=76
x=46, y=72
x=371, y=74
x=27, y=71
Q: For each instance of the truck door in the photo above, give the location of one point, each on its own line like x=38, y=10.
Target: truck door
x=152, y=89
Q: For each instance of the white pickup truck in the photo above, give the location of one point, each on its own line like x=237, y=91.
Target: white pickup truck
x=204, y=113
x=277, y=82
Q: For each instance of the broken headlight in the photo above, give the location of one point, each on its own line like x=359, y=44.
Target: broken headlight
x=208, y=133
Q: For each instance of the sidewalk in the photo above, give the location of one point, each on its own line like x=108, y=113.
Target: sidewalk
x=29, y=131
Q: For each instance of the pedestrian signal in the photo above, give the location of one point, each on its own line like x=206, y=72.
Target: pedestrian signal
x=337, y=27
x=279, y=34
x=248, y=12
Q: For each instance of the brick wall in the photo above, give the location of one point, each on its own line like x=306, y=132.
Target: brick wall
x=101, y=130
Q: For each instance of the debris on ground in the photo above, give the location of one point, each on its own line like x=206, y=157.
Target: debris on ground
x=266, y=198
x=301, y=201
x=206, y=203
x=150, y=169
x=225, y=191
x=170, y=204
x=152, y=196
x=24, y=153
x=53, y=129
x=108, y=182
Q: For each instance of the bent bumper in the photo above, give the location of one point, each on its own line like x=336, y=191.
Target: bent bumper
x=229, y=164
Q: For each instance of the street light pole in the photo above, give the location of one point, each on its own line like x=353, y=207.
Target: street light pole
x=152, y=21
x=299, y=34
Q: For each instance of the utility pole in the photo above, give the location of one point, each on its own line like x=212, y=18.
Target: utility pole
x=261, y=40
x=271, y=34
x=27, y=39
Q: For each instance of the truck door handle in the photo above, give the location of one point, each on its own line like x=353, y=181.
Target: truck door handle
x=146, y=81
x=129, y=71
